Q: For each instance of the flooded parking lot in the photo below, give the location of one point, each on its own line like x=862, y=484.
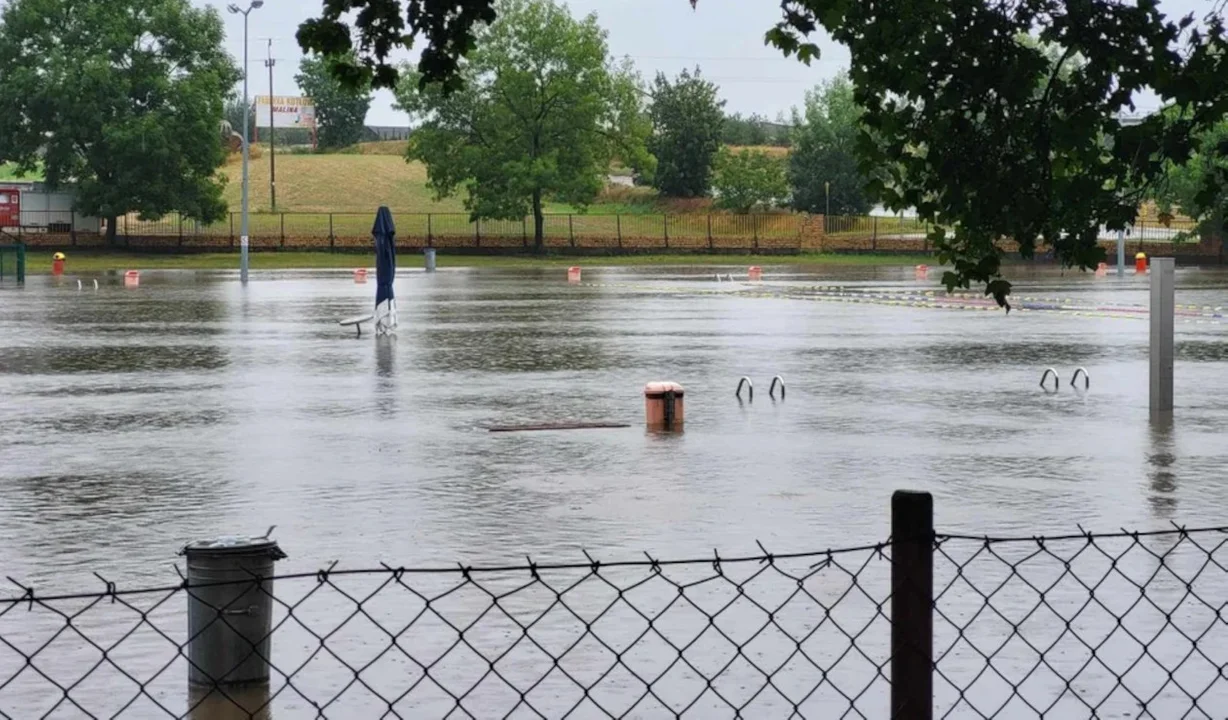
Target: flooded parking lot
x=135, y=420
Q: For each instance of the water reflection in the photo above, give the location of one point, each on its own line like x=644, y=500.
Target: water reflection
x=1162, y=462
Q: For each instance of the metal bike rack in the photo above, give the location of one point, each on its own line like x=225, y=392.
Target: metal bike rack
x=1057, y=381
x=750, y=386
x=772, y=388
x=1087, y=380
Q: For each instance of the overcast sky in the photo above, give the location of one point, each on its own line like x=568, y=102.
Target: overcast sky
x=723, y=37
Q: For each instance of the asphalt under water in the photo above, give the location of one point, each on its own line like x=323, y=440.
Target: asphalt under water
x=134, y=420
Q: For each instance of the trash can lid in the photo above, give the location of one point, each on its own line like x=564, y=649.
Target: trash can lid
x=234, y=545
x=658, y=389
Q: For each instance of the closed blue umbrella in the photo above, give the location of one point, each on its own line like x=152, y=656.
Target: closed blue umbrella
x=385, y=233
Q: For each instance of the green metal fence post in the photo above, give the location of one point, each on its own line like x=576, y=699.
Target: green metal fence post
x=72, y=226
x=429, y=237
x=874, y=233
x=332, y=237
x=232, y=231
x=283, y=230
x=126, y=243
x=665, y=223
x=571, y=230
x=477, y=232
x=524, y=231
x=618, y=227
x=754, y=222
x=180, y=229
x=710, y=231
x=21, y=262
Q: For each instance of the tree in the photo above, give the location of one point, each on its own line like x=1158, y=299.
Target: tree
x=1197, y=188
x=824, y=163
x=947, y=91
x=686, y=133
x=747, y=179
x=233, y=114
x=123, y=99
x=540, y=115
x=341, y=109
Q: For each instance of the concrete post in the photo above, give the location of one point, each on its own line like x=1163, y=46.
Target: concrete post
x=1121, y=253
x=1163, y=316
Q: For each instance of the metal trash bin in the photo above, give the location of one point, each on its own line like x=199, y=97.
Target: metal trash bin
x=430, y=259
x=230, y=615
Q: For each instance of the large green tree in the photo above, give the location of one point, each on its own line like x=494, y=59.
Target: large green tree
x=749, y=179
x=341, y=108
x=687, y=117
x=1198, y=188
x=948, y=93
x=540, y=115
x=122, y=98
x=824, y=164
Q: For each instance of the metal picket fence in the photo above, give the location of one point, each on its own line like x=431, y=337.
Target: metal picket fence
x=1127, y=624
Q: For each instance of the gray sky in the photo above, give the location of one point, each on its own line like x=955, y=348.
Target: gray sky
x=723, y=37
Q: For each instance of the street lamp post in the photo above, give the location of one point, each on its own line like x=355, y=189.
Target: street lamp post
x=243, y=235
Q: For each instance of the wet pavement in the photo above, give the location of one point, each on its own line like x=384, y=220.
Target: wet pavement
x=135, y=420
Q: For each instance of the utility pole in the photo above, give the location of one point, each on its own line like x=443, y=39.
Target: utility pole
x=272, y=133
x=247, y=121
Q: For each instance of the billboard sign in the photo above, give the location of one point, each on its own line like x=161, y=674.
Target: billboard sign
x=288, y=112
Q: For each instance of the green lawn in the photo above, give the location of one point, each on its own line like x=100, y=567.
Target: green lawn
x=84, y=262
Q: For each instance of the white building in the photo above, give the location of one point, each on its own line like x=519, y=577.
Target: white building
x=34, y=207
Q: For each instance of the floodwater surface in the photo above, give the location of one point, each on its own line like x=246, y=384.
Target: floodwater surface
x=135, y=420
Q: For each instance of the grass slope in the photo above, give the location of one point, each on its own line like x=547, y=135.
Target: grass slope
x=83, y=262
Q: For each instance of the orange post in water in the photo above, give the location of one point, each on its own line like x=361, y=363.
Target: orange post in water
x=755, y=273
x=57, y=264
x=1140, y=263
x=573, y=275
x=663, y=407
x=132, y=278
x=360, y=275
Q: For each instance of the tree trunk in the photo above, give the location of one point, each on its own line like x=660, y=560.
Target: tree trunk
x=539, y=222
x=112, y=231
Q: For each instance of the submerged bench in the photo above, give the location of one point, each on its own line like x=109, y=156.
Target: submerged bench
x=356, y=322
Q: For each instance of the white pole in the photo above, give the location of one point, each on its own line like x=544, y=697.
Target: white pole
x=1163, y=316
x=246, y=153
x=1121, y=253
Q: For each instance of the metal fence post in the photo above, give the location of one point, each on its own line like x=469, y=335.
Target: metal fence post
x=710, y=231
x=912, y=605
x=429, y=238
x=283, y=230
x=874, y=232
x=524, y=231
x=126, y=241
x=618, y=227
x=754, y=223
x=571, y=230
x=232, y=231
x=72, y=226
x=180, y=229
x=332, y=237
x=477, y=232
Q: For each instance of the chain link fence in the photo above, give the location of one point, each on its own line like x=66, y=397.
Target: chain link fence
x=924, y=625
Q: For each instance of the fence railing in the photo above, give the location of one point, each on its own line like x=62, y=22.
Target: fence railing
x=1128, y=624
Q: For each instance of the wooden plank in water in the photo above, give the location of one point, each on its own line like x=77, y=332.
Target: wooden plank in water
x=556, y=426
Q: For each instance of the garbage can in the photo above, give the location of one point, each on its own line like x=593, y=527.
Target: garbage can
x=230, y=610
x=430, y=259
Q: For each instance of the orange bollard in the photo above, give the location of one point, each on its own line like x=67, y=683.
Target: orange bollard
x=1102, y=269
x=57, y=264
x=360, y=275
x=755, y=273
x=573, y=275
x=132, y=278
x=663, y=407
x=923, y=271
x=1140, y=263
